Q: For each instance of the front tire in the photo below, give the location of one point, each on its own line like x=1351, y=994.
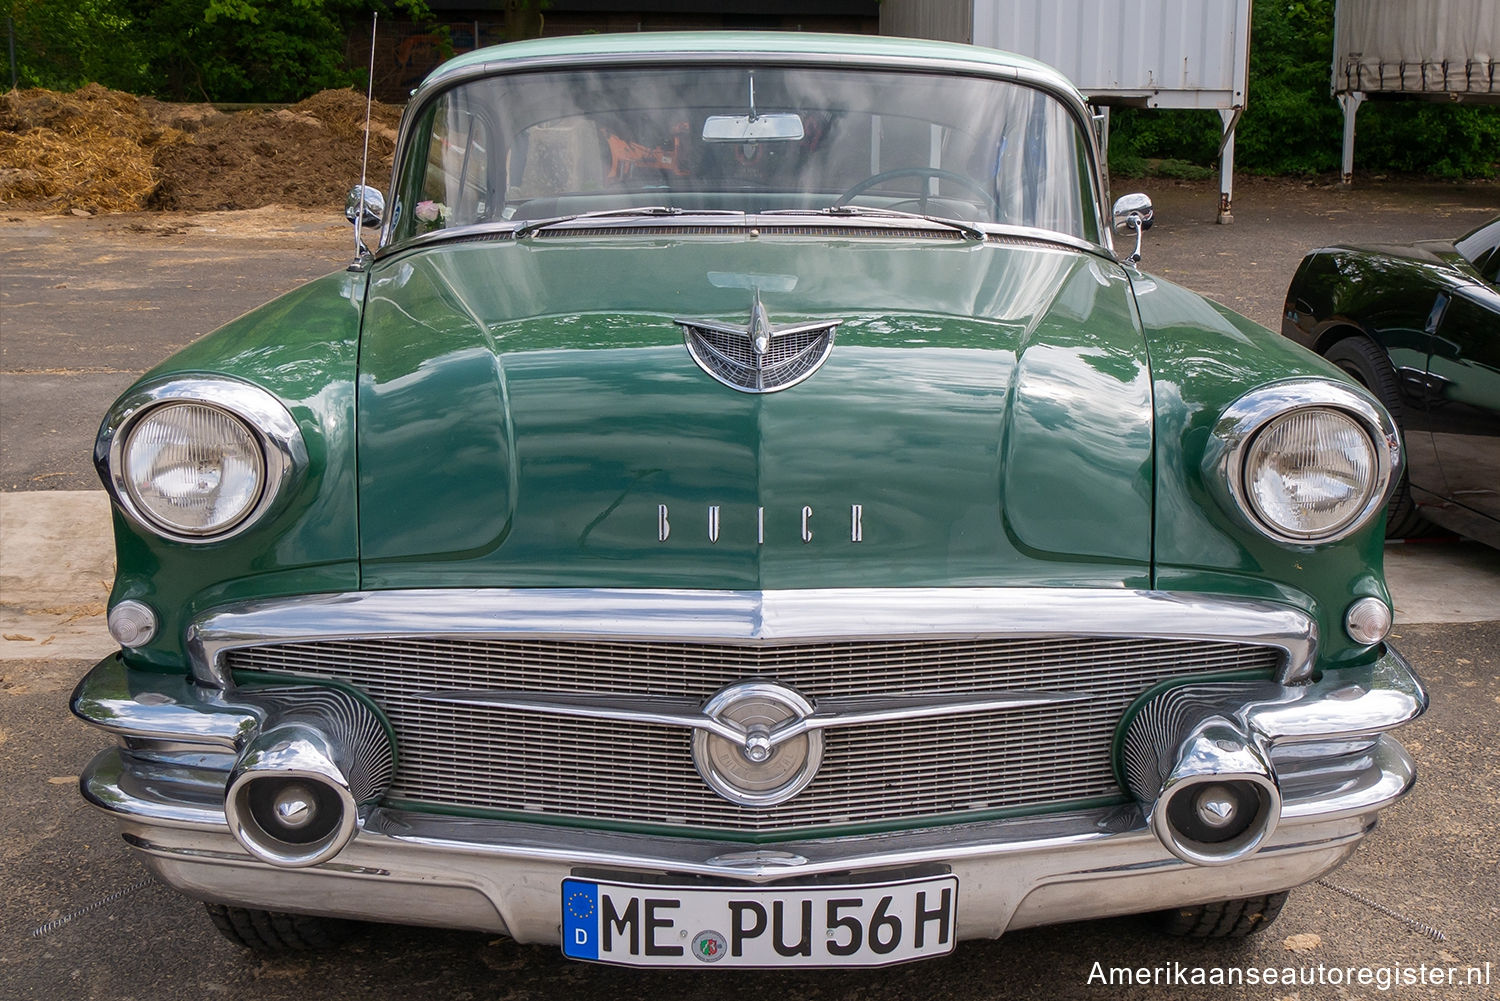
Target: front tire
x=277, y=933
x=1362, y=359
x=1223, y=919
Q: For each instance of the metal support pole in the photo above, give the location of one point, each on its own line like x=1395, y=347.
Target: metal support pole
x=10, y=33
x=1350, y=102
x=1231, y=120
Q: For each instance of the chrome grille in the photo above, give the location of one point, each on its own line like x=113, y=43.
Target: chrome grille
x=734, y=349
x=737, y=350
x=732, y=359
x=510, y=761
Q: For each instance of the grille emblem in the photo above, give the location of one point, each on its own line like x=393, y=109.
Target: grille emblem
x=759, y=357
x=752, y=769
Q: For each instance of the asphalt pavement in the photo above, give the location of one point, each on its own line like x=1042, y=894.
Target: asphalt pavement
x=88, y=304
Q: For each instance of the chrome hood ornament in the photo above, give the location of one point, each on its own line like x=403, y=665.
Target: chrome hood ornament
x=759, y=357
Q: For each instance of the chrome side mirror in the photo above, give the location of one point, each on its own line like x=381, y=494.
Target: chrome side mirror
x=1133, y=214
x=366, y=206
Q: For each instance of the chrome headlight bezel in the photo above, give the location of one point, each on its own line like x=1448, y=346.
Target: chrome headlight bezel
x=1225, y=459
x=271, y=425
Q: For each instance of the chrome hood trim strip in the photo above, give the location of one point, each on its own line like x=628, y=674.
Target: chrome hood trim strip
x=752, y=618
x=688, y=714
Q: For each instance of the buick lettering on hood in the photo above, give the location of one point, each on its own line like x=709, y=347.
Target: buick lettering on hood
x=744, y=506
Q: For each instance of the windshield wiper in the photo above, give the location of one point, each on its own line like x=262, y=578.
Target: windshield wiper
x=643, y=210
x=967, y=229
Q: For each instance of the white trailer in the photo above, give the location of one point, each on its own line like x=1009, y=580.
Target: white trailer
x=1137, y=53
x=1434, y=50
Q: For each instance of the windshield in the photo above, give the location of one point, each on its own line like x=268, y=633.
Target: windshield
x=1481, y=248
x=744, y=139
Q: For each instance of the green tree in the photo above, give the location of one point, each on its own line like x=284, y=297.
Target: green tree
x=1291, y=124
x=64, y=44
x=248, y=50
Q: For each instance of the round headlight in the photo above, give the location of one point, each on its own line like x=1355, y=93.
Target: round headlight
x=1311, y=473
x=193, y=469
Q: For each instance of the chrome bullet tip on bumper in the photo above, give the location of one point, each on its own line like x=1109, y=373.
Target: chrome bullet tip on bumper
x=297, y=786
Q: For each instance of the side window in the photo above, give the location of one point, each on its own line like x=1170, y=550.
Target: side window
x=455, y=187
x=451, y=184
x=1041, y=169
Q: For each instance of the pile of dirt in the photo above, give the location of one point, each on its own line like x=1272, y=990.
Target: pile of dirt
x=307, y=156
x=104, y=151
x=93, y=149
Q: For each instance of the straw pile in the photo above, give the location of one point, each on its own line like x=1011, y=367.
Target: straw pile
x=93, y=149
x=104, y=151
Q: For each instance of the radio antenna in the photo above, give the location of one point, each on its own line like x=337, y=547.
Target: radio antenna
x=364, y=166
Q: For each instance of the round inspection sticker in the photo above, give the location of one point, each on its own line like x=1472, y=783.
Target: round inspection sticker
x=709, y=946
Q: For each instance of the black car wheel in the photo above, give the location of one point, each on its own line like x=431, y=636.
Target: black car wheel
x=1223, y=919
x=1369, y=366
x=272, y=932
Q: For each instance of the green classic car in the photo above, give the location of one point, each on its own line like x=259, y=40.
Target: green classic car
x=745, y=511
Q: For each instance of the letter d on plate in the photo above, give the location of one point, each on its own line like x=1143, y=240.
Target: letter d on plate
x=581, y=919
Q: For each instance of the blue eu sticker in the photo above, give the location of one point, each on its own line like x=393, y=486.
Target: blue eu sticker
x=580, y=919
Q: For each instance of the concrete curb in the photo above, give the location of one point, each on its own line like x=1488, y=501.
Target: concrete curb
x=57, y=562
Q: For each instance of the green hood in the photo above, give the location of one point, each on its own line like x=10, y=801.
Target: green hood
x=528, y=415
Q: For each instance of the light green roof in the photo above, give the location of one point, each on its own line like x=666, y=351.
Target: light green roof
x=687, y=43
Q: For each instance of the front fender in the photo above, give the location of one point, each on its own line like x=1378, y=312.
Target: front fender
x=303, y=349
x=1203, y=358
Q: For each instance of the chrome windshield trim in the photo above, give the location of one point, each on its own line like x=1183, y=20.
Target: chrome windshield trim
x=602, y=226
x=752, y=618
x=1040, y=77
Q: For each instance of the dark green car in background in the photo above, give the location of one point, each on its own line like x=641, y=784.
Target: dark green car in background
x=1419, y=326
x=744, y=511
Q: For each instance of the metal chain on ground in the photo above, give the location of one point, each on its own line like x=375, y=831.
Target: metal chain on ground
x=105, y=901
x=1411, y=923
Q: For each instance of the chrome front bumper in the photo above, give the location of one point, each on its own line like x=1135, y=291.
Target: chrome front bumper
x=166, y=784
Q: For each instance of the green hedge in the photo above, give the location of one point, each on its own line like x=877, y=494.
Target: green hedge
x=195, y=50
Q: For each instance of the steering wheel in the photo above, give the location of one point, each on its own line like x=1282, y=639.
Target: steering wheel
x=875, y=180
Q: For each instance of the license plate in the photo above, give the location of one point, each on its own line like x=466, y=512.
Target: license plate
x=874, y=924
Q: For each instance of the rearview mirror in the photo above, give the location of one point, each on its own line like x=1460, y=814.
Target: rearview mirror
x=775, y=127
